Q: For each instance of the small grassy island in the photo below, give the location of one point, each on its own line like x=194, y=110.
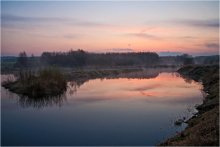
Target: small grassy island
x=36, y=84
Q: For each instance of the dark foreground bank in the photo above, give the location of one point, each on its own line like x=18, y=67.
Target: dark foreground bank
x=203, y=128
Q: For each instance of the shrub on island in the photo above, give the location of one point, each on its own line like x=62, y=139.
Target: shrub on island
x=42, y=83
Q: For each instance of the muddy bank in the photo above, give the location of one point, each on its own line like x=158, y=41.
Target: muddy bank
x=203, y=128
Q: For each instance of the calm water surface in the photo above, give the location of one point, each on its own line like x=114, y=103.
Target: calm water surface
x=126, y=110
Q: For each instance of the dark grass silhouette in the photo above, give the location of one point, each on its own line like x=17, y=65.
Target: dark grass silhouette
x=37, y=84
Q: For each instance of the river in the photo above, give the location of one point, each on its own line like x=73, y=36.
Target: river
x=133, y=109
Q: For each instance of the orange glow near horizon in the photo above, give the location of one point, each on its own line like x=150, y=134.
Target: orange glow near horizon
x=173, y=40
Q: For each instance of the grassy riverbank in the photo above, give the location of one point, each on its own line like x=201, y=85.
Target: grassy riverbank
x=203, y=128
x=98, y=73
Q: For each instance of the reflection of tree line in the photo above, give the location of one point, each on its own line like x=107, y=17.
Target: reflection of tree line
x=74, y=84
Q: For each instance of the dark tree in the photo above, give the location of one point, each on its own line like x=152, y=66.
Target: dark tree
x=185, y=59
x=32, y=62
x=188, y=61
x=22, y=60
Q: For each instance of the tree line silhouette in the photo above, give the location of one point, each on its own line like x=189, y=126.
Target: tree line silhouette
x=81, y=58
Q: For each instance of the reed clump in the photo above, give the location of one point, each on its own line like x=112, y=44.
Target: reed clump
x=41, y=83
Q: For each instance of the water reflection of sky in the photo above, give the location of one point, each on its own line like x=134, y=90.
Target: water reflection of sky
x=135, y=111
x=167, y=87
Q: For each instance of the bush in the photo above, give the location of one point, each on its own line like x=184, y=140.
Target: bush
x=43, y=83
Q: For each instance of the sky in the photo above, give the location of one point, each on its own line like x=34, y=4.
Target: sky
x=110, y=26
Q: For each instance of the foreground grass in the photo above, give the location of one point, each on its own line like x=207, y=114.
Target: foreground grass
x=43, y=83
x=203, y=129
